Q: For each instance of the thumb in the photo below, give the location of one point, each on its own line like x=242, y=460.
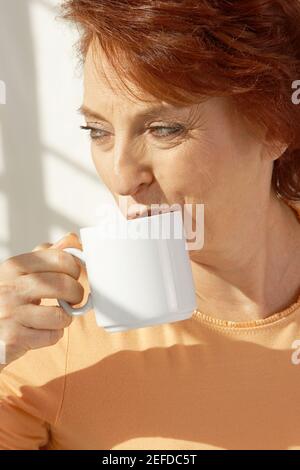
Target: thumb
x=71, y=239
x=42, y=246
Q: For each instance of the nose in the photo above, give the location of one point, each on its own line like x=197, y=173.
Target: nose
x=130, y=182
x=130, y=174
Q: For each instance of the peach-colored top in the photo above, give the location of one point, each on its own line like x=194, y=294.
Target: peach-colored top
x=200, y=383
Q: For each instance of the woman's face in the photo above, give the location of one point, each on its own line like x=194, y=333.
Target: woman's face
x=202, y=153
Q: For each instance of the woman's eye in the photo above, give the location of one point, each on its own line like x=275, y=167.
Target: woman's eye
x=95, y=133
x=167, y=131
x=157, y=131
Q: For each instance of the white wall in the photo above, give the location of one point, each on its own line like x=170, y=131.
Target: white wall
x=48, y=184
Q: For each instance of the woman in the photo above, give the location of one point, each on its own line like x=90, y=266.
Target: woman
x=227, y=135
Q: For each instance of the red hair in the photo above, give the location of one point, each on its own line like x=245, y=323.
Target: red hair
x=181, y=51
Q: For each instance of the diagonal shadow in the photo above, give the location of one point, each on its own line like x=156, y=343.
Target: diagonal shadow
x=23, y=181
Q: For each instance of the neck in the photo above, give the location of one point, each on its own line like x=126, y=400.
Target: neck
x=261, y=275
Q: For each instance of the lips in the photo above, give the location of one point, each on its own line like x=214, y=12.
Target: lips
x=134, y=212
x=145, y=211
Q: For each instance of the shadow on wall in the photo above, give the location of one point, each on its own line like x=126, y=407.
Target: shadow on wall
x=22, y=183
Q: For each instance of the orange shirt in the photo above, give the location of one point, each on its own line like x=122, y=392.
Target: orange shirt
x=192, y=384
x=200, y=383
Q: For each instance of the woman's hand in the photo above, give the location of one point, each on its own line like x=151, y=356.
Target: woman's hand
x=46, y=272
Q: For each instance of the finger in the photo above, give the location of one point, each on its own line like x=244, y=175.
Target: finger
x=30, y=287
x=41, y=261
x=71, y=239
x=42, y=317
x=35, y=339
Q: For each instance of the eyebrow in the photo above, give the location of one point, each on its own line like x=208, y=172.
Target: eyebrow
x=157, y=110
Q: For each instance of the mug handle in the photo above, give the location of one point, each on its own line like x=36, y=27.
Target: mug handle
x=89, y=304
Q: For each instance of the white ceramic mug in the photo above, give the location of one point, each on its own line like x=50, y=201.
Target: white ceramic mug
x=137, y=282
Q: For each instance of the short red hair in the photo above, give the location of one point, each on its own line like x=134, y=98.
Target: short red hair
x=180, y=51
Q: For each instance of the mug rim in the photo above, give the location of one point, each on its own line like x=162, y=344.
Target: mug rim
x=134, y=220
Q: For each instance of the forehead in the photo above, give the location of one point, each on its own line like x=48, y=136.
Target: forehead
x=101, y=82
x=105, y=93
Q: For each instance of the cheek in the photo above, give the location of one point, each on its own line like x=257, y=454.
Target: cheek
x=192, y=170
x=195, y=169
x=102, y=165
